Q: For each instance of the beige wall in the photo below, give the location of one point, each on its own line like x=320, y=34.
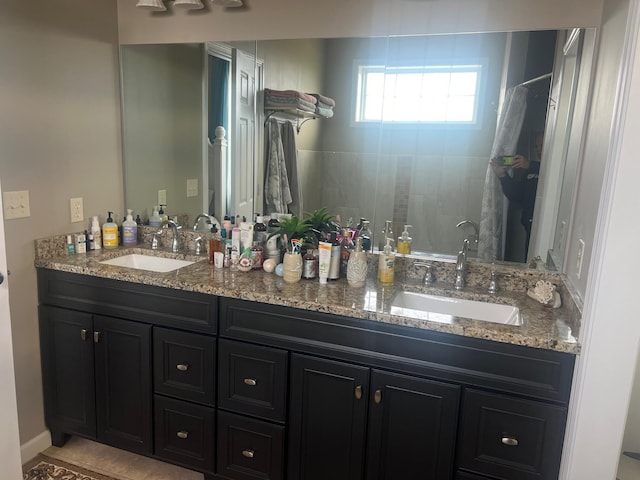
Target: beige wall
x=275, y=19
x=59, y=79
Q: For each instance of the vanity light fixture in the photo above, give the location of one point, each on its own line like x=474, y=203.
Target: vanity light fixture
x=156, y=5
x=188, y=4
x=228, y=3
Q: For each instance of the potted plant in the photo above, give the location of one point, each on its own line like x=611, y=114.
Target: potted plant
x=292, y=229
x=321, y=225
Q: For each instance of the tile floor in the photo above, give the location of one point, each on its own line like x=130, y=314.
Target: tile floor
x=117, y=463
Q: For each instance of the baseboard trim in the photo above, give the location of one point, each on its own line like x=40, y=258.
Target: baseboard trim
x=34, y=446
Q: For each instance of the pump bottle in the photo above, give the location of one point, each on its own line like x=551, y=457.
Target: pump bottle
x=386, y=264
x=129, y=230
x=404, y=241
x=97, y=233
x=387, y=234
x=110, y=233
x=155, y=220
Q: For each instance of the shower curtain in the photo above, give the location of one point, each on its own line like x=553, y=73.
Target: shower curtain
x=282, y=192
x=492, y=231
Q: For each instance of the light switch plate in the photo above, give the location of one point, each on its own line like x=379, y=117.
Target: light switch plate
x=162, y=197
x=16, y=204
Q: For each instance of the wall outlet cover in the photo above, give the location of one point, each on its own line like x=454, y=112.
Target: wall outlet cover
x=76, y=210
x=192, y=187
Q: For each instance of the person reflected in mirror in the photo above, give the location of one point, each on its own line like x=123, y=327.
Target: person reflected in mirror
x=521, y=189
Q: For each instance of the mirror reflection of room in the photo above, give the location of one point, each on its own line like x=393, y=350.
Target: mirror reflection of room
x=367, y=161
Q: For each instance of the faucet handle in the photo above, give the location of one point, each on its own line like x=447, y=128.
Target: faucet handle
x=154, y=241
x=429, y=277
x=493, y=283
x=198, y=245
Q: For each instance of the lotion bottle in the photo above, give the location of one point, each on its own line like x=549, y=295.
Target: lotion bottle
x=110, y=233
x=97, y=233
x=129, y=230
x=386, y=264
x=357, y=266
x=404, y=241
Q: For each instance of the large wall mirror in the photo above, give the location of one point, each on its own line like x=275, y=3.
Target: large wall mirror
x=364, y=161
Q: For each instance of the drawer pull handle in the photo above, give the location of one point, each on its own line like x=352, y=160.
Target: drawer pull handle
x=248, y=453
x=83, y=334
x=510, y=441
x=96, y=337
x=183, y=367
x=250, y=381
x=358, y=392
x=182, y=434
x=377, y=396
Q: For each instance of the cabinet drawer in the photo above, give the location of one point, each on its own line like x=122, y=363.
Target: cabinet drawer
x=249, y=449
x=184, y=433
x=511, y=438
x=184, y=365
x=253, y=380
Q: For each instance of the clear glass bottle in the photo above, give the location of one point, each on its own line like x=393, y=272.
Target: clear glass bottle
x=357, y=266
x=386, y=237
x=366, y=235
x=346, y=246
x=309, y=265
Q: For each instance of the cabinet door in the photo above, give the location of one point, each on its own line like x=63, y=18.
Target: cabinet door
x=412, y=425
x=123, y=383
x=328, y=409
x=67, y=371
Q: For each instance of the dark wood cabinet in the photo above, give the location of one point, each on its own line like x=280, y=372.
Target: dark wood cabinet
x=327, y=419
x=96, y=373
x=241, y=390
x=412, y=428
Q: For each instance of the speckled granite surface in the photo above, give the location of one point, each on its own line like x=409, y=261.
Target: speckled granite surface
x=546, y=328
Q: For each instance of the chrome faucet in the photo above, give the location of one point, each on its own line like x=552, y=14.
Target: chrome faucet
x=429, y=277
x=476, y=231
x=206, y=221
x=461, y=267
x=174, y=227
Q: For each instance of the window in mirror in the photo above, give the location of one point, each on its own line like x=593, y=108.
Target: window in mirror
x=434, y=94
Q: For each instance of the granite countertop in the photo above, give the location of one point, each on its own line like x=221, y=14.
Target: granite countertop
x=545, y=328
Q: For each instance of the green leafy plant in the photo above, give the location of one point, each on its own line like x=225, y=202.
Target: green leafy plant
x=293, y=228
x=321, y=224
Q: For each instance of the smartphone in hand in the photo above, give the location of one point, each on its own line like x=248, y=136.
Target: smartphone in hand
x=505, y=160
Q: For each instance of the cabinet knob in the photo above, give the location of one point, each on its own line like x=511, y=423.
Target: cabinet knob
x=182, y=434
x=510, y=441
x=250, y=381
x=96, y=337
x=358, y=392
x=83, y=334
x=377, y=396
x=248, y=453
x=183, y=367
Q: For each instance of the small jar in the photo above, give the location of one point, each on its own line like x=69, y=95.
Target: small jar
x=309, y=265
x=257, y=255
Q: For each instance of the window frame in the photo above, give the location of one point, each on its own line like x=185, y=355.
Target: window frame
x=479, y=64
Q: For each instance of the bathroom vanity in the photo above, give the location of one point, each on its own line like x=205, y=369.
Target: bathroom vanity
x=240, y=376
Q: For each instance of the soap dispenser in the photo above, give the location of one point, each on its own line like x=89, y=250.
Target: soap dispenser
x=386, y=264
x=129, y=230
x=155, y=220
x=163, y=215
x=110, y=233
x=387, y=234
x=404, y=241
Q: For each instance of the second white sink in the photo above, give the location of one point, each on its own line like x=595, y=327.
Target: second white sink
x=444, y=309
x=148, y=262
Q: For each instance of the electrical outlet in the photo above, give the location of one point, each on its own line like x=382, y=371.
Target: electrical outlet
x=76, y=210
x=579, y=258
x=192, y=187
x=162, y=197
x=16, y=204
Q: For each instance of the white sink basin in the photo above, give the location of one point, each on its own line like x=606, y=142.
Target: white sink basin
x=445, y=309
x=147, y=262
